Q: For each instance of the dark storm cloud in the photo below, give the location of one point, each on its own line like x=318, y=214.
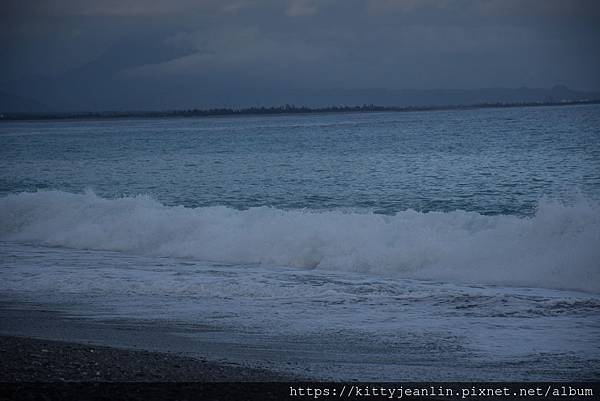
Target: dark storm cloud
x=180, y=53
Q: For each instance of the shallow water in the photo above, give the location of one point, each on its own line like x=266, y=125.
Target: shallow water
x=320, y=323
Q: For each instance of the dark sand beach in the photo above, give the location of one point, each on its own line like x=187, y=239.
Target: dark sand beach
x=42, y=345
x=35, y=360
x=34, y=367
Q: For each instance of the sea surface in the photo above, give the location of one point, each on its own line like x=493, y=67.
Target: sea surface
x=444, y=245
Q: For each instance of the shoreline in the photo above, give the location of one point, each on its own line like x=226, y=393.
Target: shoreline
x=333, y=357
x=27, y=359
x=76, y=348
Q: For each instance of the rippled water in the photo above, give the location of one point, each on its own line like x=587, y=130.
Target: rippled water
x=492, y=161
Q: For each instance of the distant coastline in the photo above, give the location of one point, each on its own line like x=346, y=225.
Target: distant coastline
x=276, y=110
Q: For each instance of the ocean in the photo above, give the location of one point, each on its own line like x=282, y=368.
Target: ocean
x=439, y=245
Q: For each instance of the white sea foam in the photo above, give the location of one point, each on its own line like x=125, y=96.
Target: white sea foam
x=559, y=247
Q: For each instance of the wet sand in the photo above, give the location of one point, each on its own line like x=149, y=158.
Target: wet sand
x=34, y=360
x=37, y=344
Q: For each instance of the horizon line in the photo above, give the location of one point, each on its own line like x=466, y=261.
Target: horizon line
x=285, y=109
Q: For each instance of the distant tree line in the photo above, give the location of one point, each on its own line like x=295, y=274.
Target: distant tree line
x=285, y=109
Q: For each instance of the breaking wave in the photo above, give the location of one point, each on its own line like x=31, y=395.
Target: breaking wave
x=559, y=247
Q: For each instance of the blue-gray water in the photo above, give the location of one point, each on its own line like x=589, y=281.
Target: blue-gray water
x=492, y=161
x=435, y=245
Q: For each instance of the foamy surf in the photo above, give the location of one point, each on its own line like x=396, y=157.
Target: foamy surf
x=555, y=248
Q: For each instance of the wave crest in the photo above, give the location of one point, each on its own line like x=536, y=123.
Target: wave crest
x=556, y=248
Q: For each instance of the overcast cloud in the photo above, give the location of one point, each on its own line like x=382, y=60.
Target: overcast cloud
x=184, y=53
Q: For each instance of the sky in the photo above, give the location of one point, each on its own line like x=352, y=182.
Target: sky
x=156, y=54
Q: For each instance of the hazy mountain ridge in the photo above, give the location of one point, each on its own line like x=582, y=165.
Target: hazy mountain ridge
x=108, y=83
